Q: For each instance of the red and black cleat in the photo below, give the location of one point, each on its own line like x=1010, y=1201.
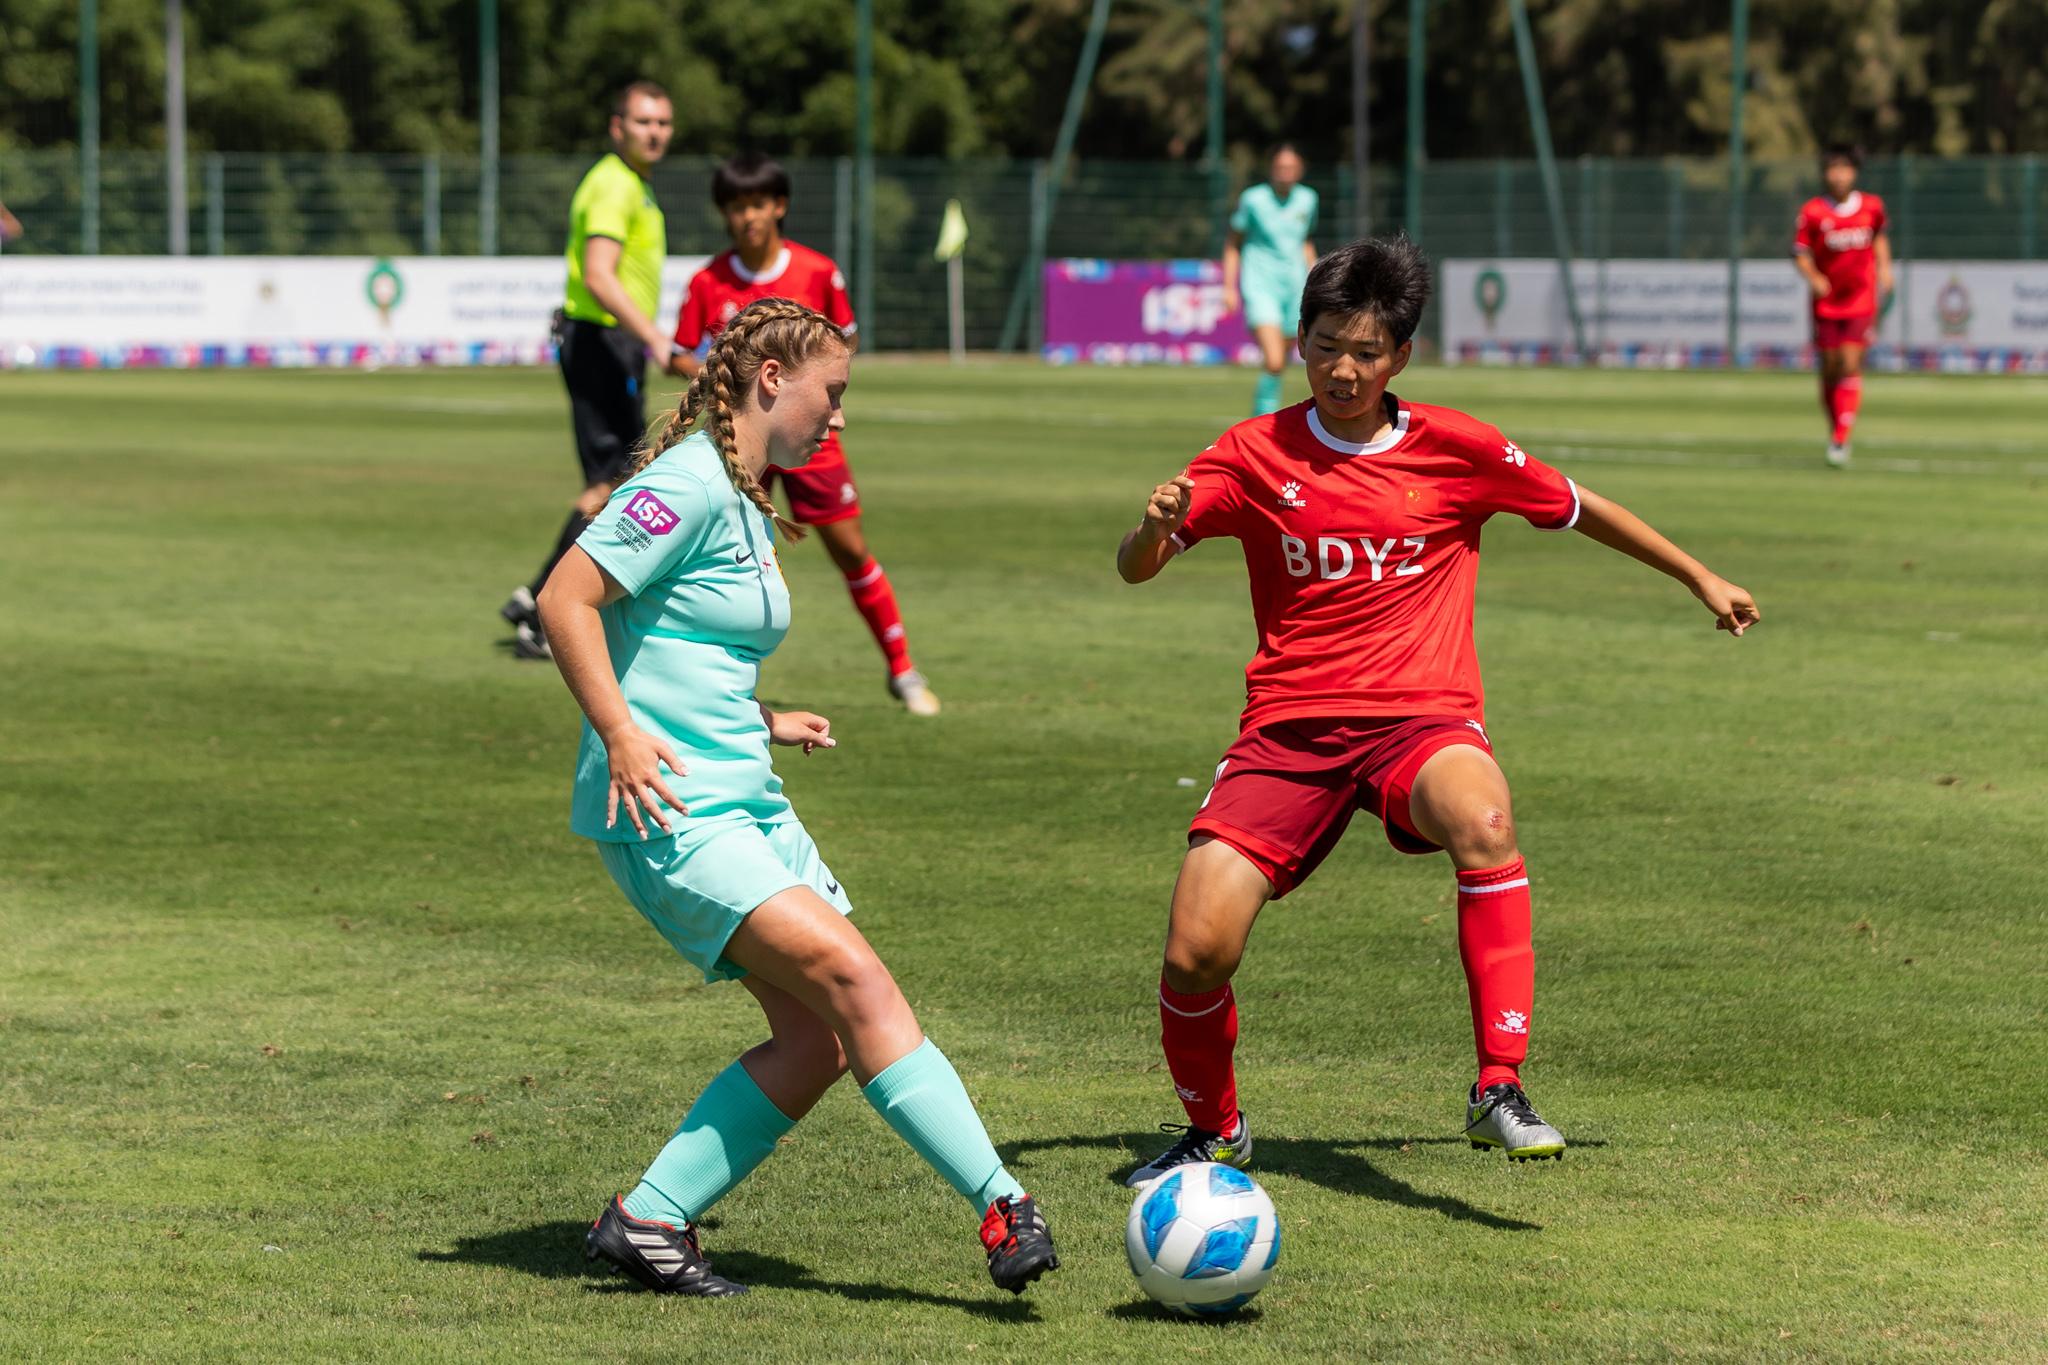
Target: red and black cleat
x=1019, y=1245
x=662, y=1257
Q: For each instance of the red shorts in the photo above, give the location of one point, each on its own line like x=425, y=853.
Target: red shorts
x=822, y=491
x=1830, y=333
x=1285, y=792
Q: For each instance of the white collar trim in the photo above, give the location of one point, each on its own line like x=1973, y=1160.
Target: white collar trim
x=1387, y=442
x=1847, y=206
x=768, y=276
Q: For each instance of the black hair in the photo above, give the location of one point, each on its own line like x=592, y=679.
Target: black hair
x=626, y=93
x=748, y=173
x=1841, y=151
x=1387, y=277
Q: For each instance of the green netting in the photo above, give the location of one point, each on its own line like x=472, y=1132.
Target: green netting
x=1982, y=208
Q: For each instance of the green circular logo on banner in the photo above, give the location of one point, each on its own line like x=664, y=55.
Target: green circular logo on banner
x=1952, y=307
x=384, y=288
x=1490, y=292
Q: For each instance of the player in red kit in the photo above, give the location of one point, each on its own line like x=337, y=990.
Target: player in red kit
x=1841, y=248
x=753, y=194
x=1359, y=515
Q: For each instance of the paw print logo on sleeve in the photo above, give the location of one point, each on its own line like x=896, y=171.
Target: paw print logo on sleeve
x=1514, y=455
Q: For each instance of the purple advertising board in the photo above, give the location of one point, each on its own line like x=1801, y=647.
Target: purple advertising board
x=1141, y=313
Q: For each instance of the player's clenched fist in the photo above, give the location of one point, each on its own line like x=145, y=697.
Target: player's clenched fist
x=1168, y=506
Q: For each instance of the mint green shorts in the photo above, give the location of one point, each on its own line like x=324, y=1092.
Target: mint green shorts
x=696, y=886
x=1272, y=301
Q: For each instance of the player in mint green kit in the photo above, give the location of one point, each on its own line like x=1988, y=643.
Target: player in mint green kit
x=1265, y=265
x=660, y=616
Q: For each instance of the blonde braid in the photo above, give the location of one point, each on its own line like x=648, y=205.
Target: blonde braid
x=722, y=365
x=775, y=329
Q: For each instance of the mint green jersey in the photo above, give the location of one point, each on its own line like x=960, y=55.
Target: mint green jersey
x=1275, y=232
x=705, y=604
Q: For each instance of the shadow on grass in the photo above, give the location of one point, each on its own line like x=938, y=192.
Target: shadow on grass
x=1335, y=1165
x=554, y=1251
x=1144, y=1310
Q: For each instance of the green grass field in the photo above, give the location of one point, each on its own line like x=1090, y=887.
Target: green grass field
x=322, y=1038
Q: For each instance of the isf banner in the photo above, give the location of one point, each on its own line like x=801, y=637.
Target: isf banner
x=1141, y=313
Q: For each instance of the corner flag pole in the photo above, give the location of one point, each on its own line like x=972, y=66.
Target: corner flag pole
x=952, y=244
x=1553, y=190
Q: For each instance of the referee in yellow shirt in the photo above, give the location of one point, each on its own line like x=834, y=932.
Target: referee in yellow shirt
x=605, y=332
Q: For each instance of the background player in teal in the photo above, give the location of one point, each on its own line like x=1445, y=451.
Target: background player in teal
x=1265, y=264
x=660, y=616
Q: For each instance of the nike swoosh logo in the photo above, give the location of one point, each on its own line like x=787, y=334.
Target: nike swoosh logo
x=741, y=559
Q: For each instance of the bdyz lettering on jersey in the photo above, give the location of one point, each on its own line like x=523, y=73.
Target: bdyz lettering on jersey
x=1335, y=559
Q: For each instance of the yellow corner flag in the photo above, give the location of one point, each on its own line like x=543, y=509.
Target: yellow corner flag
x=952, y=233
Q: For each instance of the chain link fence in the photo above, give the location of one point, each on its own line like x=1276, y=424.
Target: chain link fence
x=1984, y=208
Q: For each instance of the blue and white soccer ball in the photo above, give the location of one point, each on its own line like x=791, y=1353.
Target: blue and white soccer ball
x=1203, y=1239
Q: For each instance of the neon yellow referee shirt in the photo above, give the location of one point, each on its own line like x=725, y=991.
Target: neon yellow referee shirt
x=613, y=201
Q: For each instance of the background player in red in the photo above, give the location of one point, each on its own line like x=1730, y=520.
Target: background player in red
x=1841, y=248
x=1359, y=515
x=753, y=194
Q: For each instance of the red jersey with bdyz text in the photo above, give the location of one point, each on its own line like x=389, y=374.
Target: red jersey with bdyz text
x=1363, y=557
x=1842, y=239
x=725, y=285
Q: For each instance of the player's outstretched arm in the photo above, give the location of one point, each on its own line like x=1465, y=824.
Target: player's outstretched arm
x=1620, y=529
x=568, y=614
x=1147, y=548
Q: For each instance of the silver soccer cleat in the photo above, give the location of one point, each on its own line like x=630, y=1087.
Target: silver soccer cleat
x=915, y=693
x=1504, y=1118
x=1838, y=454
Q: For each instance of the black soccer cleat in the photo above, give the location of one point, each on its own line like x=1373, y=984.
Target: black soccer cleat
x=1019, y=1244
x=520, y=609
x=660, y=1256
x=1197, y=1144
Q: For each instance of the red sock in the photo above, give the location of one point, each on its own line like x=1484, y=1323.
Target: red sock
x=1199, y=1033
x=875, y=600
x=1500, y=966
x=1848, y=398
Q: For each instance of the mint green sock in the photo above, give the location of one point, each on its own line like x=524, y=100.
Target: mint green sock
x=920, y=1096
x=1266, y=397
x=729, y=1131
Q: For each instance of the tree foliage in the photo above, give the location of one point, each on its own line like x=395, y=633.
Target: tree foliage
x=972, y=77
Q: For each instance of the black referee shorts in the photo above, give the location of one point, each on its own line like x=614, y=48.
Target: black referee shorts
x=605, y=370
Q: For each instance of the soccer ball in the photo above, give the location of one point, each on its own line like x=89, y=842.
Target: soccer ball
x=1202, y=1239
